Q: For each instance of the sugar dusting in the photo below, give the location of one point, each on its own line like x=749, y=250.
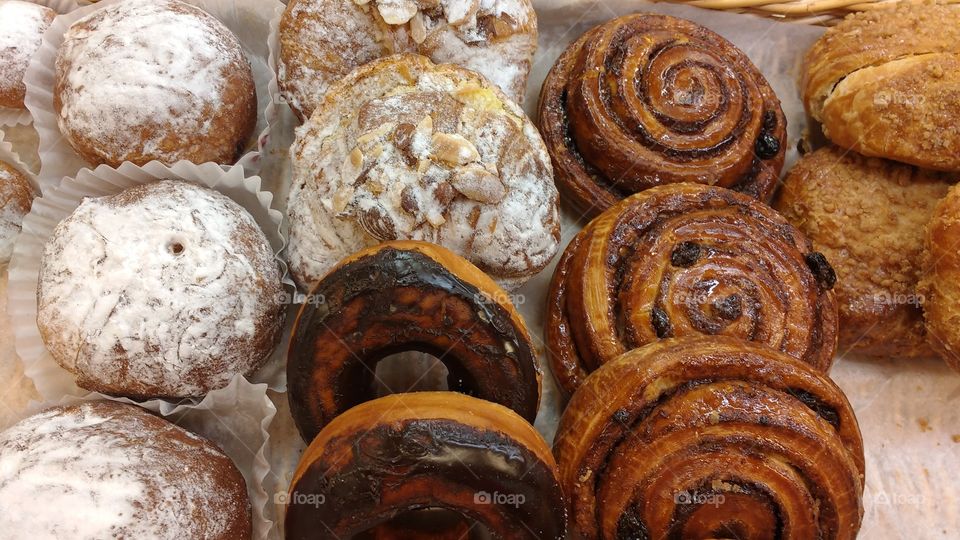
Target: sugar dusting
x=21, y=31
x=15, y=198
x=442, y=158
x=166, y=289
x=323, y=40
x=106, y=470
x=139, y=70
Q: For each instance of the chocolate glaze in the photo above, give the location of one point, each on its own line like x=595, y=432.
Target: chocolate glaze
x=367, y=478
x=394, y=301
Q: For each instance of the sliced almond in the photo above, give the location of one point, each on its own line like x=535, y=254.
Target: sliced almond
x=477, y=184
x=453, y=150
x=352, y=167
x=418, y=29
x=460, y=11
x=342, y=198
x=397, y=11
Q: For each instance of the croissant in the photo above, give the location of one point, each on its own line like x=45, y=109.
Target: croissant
x=885, y=83
x=710, y=437
x=407, y=452
x=688, y=259
x=647, y=99
x=407, y=296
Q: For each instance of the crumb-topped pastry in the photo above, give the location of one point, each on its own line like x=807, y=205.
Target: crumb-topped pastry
x=22, y=25
x=886, y=83
x=16, y=198
x=102, y=469
x=154, y=80
x=321, y=41
x=165, y=289
x=404, y=149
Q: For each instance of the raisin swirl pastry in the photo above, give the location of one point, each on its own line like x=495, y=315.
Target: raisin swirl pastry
x=688, y=259
x=409, y=452
x=403, y=149
x=645, y=100
x=710, y=437
x=407, y=296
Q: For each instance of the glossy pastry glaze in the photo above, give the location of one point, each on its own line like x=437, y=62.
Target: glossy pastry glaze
x=688, y=259
x=710, y=437
x=409, y=452
x=645, y=100
x=407, y=296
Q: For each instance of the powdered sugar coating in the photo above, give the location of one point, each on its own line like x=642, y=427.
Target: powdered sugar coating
x=404, y=149
x=321, y=41
x=107, y=470
x=16, y=197
x=143, y=79
x=22, y=25
x=166, y=289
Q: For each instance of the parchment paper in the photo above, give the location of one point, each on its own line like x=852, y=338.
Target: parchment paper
x=908, y=410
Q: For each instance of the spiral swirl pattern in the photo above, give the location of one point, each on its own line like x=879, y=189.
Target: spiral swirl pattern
x=710, y=437
x=646, y=100
x=688, y=259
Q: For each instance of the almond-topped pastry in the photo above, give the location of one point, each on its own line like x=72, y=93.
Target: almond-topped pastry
x=404, y=149
x=404, y=453
x=886, y=83
x=22, y=25
x=16, y=198
x=166, y=289
x=407, y=296
x=145, y=80
x=710, y=437
x=102, y=469
x=321, y=41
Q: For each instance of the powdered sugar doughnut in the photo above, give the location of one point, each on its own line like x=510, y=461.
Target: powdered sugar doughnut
x=108, y=470
x=16, y=197
x=146, y=80
x=403, y=149
x=22, y=25
x=321, y=41
x=163, y=290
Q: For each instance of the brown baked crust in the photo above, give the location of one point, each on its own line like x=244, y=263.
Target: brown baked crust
x=687, y=259
x=407, y=296
x=15, y=55
x=427, y=450
x=869, y=217
x=322, y=41
x=710, y=437
x=16, y=198
x=198, y=130
x=645, y=100
x=940, y=280
x=886, y=83
x=142, y=475
x=194, y=288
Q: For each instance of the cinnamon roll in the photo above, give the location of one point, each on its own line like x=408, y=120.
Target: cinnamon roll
x=407, y=296
x=646, y=100
x=404, y=453
x=710, y=437
x=688, y=259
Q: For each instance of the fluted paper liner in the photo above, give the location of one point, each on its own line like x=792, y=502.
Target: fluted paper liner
x=249, y=20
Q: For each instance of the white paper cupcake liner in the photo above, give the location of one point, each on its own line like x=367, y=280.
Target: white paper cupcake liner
x=236, y=418
x=9, y=155
x=51, y=380
x=21, y=117
x=249, y=20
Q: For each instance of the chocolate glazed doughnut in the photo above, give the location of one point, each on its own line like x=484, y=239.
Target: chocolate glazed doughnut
x=409, y=452
x=688, y=259
x=645, y=100
x=710, y=437
x=407, y=296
